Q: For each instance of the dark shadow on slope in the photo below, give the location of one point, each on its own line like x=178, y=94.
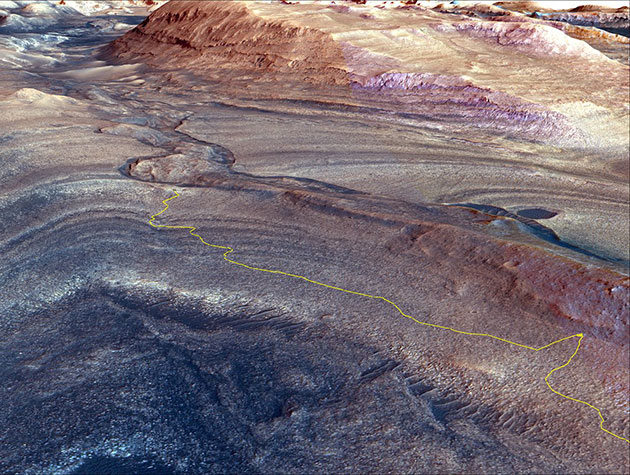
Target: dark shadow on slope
x=536, y=229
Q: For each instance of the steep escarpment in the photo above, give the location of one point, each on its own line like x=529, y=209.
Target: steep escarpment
x=258, y=44
x=228, y=35
x=451, y=97
x=505, y=82
x=587, y=22
x=619, y=20
x=534, y=38
x=601, y=16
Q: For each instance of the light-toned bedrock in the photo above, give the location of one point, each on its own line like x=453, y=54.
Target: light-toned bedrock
x=329, y=44
x=508, y=113
x=394, y=153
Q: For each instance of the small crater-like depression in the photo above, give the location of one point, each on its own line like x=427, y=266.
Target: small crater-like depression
x=536, y=213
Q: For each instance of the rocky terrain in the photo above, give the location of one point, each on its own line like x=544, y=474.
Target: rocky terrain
x=469, y=163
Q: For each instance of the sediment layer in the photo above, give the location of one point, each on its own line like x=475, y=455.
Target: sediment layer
x=383, y=169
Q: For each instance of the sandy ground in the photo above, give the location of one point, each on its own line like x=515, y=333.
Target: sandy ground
x=127, y=348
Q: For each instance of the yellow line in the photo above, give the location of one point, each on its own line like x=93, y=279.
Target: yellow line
x=229, y=250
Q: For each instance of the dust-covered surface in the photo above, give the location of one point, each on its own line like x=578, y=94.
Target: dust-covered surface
x=470, y=168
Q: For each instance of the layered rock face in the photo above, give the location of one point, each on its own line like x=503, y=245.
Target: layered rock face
x=343, y=44
x=471, y=169
x=605, y=29
x=585, y=15
x=228, y=36
x=510, y=83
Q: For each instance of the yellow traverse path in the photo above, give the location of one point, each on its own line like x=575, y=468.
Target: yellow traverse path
x=229, y=250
